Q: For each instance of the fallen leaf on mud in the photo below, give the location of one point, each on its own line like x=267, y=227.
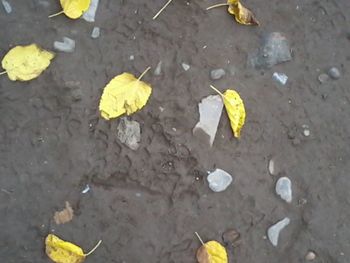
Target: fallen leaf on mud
x=65, y=215
x=124, y=94
x=61, y=251
x=212, y=252
x=235, y=109
x=74, y=8
x=26, y=62
x=242, y=14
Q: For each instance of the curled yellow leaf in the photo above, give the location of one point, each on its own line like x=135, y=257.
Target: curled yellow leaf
x=26, y=62
x=242, y=14
x=235, y=110
x=212, y=252
x=124, y=94
x=75, y=8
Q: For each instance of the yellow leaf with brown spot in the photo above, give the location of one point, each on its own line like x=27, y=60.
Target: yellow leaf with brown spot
x=124, y=94
x=242, y=14
x=26, y=62
x=75, y=8
x=212, y=252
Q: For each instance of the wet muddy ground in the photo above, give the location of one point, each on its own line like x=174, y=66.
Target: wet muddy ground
x=146, y=205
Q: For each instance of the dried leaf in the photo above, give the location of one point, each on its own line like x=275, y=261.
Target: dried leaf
x=26, y=62
x=242, y=14
x=75, y=8
x=124, y=94
x=235, y=109
x=65, y=215
x=61, y=251
x=212, y=252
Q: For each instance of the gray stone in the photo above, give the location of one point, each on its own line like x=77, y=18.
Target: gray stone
x=210, y=109
x=322, y=78
x=158, y=69
x=219, y=180
x=7, y=6
x=129, y=133
x=284, y=189
x=334, y=73
x=280, y=78
x=217, y=73
x=95, y=32
x=274, y=231
x=68, y=45
x=89, y=15
x=274, y=50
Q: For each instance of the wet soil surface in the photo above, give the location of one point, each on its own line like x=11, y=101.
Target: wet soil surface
x=146, y=205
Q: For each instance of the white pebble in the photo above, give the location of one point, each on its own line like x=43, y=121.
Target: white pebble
x=132, y=57
x=284, y=189
x=272, y=167
x=274, y=231
x=68, y=45
x=310, y=256
x=219, y=180
x=185, y=66
x=95, y=32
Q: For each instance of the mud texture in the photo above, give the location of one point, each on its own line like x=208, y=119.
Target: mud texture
x=146, y=205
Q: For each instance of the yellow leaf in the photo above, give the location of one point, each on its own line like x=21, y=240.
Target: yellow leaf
x=243, y=15
x=61, y=251
x=75, y=8
x=235, y=110
x=212, y=252
x=26, y=62
x=124, y=94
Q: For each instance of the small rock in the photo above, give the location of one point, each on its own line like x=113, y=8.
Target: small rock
x=7, y=6
x=210, y=109
x=231, y=237
x=86, y=189
x=89, y=15
x=68, y=45
x=275, y=49
x=185, y=66
x=219, y=180
x=132, y=57
x=272, y=167
x=310, y=256
x=95, y=32
x=284, y=189
x=322, y=78
x=158, y=69
x=274, y=231
x=334, y=73
x=129, y=133
x=280, y=78
x=217, y=73
x=306, y=133
x=306, y=130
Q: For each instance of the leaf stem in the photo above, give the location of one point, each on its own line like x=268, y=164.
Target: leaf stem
x=143, y=73
x=95, y=247
x=222, y=95
x=161, y=10
x=199, y=238
x=56, y=14
x=3, y=72
x=217, y=5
